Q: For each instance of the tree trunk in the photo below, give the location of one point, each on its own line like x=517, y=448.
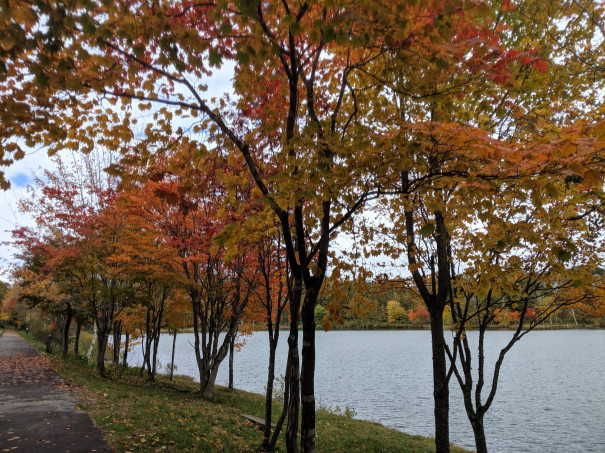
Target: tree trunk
x=104, y=323
x=231, y=351
x=68, y=317
x=574, y=316
x=273, y=338
x=172, y=359
x=307, y=373
x=292, y=369
x=282, y=417
x=77, y=339
x=207, y=387
x=479, y=432
x=102, y=338
x=117, y=340
x=142, y=369
x=208, y=365
x=156, y=343
x=147, y=356
x=440, y=384
x=49, y=340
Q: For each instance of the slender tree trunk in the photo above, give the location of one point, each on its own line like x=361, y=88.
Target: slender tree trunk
x=172, y=358
x=231, y=352
x=104, y=323
x=148, y=345
x=143, y=349
x=273, y=338
x=68, y=317
x=77, y=339
x=156, y=343
x=282, y=416
x=440, y=384
x=147, y=357
x=117, y=340
x=574, y=316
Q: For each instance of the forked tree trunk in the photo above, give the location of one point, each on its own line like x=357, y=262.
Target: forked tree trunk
x=208, y=357
x=102, y=340
x=104, y=324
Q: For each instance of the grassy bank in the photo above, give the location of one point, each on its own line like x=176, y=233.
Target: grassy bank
x=139, y=416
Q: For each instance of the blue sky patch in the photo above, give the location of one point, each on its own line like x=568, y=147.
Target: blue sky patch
x=21, y=180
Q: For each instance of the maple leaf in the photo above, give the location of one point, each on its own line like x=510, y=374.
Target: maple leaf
x=540, y=65
x=508, y=5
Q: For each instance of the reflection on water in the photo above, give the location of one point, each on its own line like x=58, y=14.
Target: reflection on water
x=551, y=392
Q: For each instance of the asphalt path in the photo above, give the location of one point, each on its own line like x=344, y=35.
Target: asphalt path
x=37, y=410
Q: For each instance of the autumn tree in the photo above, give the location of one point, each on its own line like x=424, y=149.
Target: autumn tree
x=184, y=207
x=272, y=295
x=479, y=124
x=153, y=265
x=178, y=316
x=80, y=229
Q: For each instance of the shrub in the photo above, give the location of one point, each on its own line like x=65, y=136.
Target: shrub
x=395, y=313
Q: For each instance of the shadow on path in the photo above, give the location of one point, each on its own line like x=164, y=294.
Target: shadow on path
x=37, y=410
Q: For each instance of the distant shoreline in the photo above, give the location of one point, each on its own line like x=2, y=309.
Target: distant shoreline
x=427, y=328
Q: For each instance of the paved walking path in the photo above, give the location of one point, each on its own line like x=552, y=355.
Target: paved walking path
x=37, y=410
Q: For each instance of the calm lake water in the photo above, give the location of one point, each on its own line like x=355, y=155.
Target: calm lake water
x=551, y=392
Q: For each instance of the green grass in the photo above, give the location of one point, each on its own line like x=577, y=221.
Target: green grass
x=138, y=416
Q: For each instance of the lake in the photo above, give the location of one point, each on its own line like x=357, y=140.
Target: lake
x=551, y=392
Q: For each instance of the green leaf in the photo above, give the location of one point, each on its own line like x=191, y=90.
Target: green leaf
x=427, y=229
x=441, y=63
x=562, y=254
x=226, y=29
x=248, y=7
x=484, y=10
x=215, y=58
x=243, y=58
x=289, y=19
x=224, y=236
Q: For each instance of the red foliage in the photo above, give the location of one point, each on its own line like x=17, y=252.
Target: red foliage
x=419, y=315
